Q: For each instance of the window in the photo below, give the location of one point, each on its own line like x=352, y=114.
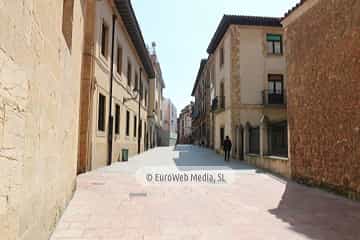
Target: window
x=275, y=89
x=146, y=96
x=101, y=113
x=222, y=136
x=222, y=56
x=275, y=83
x=135, y=125
x=117, y=119
x=278, y=144
x=254, y=140
x=67, y=21
x=274, y=44
x=104, y=40
x=119, y=60
x=127, y=123
x=129, y=73
x=141, y=90
x=136, y=81
x=222, y=96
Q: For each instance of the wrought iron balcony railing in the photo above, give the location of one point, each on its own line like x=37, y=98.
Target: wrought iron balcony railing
x=272, y=97
x=195, y=114
x=218, y=103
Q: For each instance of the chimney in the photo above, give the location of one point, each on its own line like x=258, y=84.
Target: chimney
x=153, y=44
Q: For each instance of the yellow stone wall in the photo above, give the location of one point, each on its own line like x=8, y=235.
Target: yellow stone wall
x=39, y=106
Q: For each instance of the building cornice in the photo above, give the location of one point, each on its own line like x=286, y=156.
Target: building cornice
x=228, y=20
x=132, y=26
x=201, y=68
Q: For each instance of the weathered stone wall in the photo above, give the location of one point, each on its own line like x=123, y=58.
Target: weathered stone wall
x=323, y=56
x=235, y=87
x=223, y=75
x=39, y=105
x=277, y=165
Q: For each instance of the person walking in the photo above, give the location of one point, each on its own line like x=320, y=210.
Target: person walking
x=227, y=148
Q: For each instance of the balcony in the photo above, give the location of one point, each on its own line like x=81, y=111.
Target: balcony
x=218, y=104
x=195, y=114
x=274, y=98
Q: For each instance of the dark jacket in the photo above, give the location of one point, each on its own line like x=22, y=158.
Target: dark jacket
x=227, y=145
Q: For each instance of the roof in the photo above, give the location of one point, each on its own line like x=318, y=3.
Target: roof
x=228, y=20
x=201, y=68
x=293, y=9
x=127, y=14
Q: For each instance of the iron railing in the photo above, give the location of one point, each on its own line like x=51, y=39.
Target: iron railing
x=218, y=103
x=272, y=97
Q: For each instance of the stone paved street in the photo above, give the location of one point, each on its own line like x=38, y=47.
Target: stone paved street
x=111, y=203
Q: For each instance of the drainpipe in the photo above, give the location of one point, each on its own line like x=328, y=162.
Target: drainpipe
x=110, y=121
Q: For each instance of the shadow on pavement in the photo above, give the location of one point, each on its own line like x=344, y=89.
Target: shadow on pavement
x=317, y=214
x=192, y=157
x=313, y=213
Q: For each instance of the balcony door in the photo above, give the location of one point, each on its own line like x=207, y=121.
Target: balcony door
x=275, y=88
x=222, y=96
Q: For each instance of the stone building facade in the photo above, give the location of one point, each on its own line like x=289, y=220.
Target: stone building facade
x=185, y=121
x=168, y=132
x=323, y=67
x=156, y=88
x=115, y=78
x=201, y=112
x=249, y=90
x=40, y=68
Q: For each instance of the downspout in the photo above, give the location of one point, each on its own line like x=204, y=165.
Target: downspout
x=110, y=120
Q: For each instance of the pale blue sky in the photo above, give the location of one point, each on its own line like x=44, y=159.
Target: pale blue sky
x=182, y=30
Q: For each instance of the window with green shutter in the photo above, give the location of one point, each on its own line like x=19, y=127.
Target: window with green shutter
x=274, y=44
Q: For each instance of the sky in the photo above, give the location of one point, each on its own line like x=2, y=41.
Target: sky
x=182, y=30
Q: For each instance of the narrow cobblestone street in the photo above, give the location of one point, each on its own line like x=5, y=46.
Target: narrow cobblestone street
x=111, y=203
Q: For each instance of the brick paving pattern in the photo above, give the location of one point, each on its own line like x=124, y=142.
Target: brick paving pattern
x=256, y=206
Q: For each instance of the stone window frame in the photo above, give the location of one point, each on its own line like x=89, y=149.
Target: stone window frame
x=276, y=77
x=222, y=94
x=104, y=46
x=101, y=132
x=119, y=59
x=146, y=97
x=135, y=123
x=127, y=123
x=281, y=54
x=251, y=129
x=129, y=72
x=270, y=128
x=136, y=82
x=117, y=119
x=221, y=56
